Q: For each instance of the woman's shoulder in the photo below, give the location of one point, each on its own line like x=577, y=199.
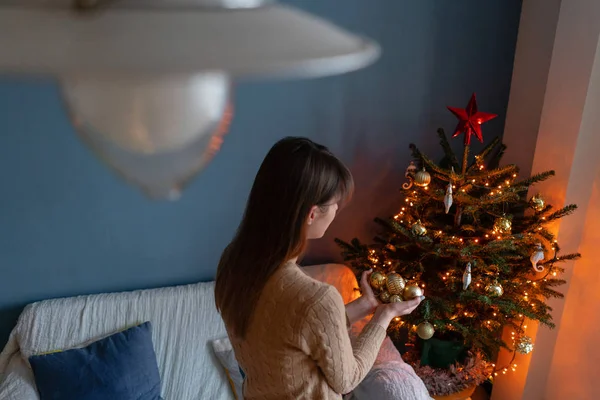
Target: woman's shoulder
x=293, y=284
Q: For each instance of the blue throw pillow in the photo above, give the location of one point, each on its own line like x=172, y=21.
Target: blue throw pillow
x=120, y=367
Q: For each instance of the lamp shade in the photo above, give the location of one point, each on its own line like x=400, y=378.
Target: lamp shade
x=156, y=133
x=163, y=37
x=147, y=82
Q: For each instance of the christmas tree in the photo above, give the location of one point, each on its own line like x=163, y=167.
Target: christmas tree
x=467, y=234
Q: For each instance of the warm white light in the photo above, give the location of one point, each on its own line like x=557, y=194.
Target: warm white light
x=157, y=134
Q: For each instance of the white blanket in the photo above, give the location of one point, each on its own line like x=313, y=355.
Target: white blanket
x=184, y=321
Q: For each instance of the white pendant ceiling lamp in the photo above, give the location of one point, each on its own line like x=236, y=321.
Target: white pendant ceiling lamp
x=147, y=82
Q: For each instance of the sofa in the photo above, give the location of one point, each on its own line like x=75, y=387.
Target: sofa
x=184, y=324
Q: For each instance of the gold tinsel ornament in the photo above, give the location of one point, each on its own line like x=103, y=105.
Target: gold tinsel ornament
x=425, y=330
x=384, y=296
x=418, y=229
x=503, y=225
x=377, y=280
x=524, y=345
x=537, y=202
x=395, y=283
x=494, y=289
x=411, y=292
x=422, y=178
x=395, y=298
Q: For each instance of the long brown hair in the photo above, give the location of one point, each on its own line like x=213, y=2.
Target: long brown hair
x=296, y=175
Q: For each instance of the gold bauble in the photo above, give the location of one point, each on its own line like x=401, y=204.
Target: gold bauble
x=395, y=298
x=494, y=289
x=425, y=330
x=503, y=225
x=418, y=229
x=422, y=178
x=395, y=283
x=524, y=345
x=537, y=202
x=411, y=292
x=384, y=296
x=377, y=280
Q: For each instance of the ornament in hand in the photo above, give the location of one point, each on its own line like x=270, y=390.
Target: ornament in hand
x=395, y=298
x=395, y=283
x=411, y=292
x=384, y=296
x=377, y=280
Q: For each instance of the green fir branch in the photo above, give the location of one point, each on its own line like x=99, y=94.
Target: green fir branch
x=550, y=293
x=488, y=149
x=566, y=257
x=526, y=183
x=507, y=170
x=495, y=161
x=450, y=155
x=563, y=212
x=428, y=163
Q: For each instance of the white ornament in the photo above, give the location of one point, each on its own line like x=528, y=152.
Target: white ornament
x=409, y=174
x=448, y=198
x=467, y=277
x=536, y=257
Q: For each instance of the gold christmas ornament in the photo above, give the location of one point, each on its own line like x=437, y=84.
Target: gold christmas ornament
x=537, y=202
x=418, y=229
x=411, y=292
x=494, y=289
x=384, y=296
x=425, y=330
x=395, y=298
x=395, y=283
x=422, y=178
x=377, y=280
x=524, y=345
x=503, y=225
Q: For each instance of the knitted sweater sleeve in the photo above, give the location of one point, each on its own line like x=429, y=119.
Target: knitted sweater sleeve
x=326, y=338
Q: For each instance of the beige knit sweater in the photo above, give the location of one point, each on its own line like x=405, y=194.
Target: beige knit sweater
x=298, y=347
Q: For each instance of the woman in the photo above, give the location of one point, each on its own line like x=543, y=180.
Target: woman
x=289, y=331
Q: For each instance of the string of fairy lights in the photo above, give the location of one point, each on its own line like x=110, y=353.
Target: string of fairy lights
x=521, y=343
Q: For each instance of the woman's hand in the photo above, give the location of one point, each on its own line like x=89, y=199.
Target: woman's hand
x=364, y=305
x=367, y=291
x=386, y=312
x=403, y=307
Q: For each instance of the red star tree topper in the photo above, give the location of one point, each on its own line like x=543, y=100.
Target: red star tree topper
x=470, y=120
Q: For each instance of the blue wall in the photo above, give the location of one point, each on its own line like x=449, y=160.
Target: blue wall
x=68, y=226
